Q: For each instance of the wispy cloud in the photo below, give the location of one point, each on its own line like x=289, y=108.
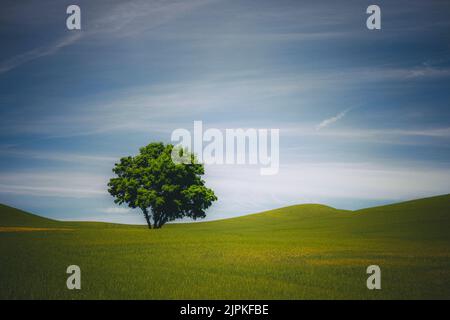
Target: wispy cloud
x=319, y=182
x=160, y=108
x=53, y=184
x=390, y=133
x=39, y=52
x=327, y=122
x=114, y=210
x=400, y=136
x=133, y=18
x=123, y=20
x=59, y=156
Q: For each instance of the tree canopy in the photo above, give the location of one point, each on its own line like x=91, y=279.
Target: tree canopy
x=162, y=189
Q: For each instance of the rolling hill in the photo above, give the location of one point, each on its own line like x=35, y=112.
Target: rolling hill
x=12, y=217
x=299, y=252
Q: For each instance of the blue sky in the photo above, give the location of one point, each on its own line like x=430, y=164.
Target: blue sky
x=364, y=116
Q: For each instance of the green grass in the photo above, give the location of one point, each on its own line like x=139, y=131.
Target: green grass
x=297, y=252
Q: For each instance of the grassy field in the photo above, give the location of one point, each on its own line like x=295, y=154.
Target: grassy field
x=297, y=252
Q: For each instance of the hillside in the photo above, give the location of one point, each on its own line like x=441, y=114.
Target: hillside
x=426, y=212
x=305, y=251
x=12, y=217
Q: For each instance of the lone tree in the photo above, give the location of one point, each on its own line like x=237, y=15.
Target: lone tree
x=162, y=189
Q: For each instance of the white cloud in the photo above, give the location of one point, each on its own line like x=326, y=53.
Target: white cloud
x=115, y=210
x=54, y=184
x=387, y=135
x=242, y=190
x=327, y=122
x=60, y=156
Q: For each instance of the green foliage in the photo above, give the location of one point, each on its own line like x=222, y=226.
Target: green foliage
x=162, y=189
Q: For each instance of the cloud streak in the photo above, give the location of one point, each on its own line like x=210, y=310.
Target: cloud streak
x=88, y=159
x=329, y=121
x=39, y=52
x=53, y=184
x=123, y=20
x=115, y=210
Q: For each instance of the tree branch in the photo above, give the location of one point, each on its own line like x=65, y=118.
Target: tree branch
x=147, y=217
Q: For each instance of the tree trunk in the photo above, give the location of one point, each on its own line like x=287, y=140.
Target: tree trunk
x=156, y=219
x=160, y=221
x=147, y=217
